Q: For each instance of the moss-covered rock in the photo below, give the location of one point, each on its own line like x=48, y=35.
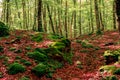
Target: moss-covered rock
x=15, y=68
x=37, y=56
x=108, y=68
x=4, y=30
x=111, y=56
x=40, y=70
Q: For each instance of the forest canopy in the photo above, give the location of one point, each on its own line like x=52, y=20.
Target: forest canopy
x=70, y=18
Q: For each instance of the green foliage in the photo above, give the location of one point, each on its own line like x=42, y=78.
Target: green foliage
x=41, y=50
x=111, y=56
x=113, y=77
x=2, y=56
x=1, y=75
x=28, y=48
x=25, y=78
x=68, y=57
x=4, y=30
x=117, y=71
x=37, y=37
x=67, y=42
x=40, y=70
x=108, y=68
x=37, y=56
x=54, y=36
x=85, y=44
x=99, y=32
x=18, y=57
x=5, y=62
x=15, y=68
x=1, y=49
x=25, y=62
x=53, y=65
x=18, y=51
x=79, y=41
x=58, y=45
x=12, y=49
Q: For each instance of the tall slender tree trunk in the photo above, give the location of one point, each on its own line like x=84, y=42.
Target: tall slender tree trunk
x=40, y=29
x=7, y=11
x=66, y=30
x=97, y=15
x=75, y=33
x=50, y=17
x=118, y=13
x=114, y=16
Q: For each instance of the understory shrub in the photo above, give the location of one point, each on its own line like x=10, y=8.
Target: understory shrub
x=4, y=30
x=15, y=68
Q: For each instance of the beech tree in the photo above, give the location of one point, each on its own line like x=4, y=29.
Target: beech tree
x=118, y=13
x=40, y=16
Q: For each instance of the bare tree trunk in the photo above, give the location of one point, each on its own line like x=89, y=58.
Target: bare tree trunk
x=114, y=16
x=66, y=30
x=97, y=15
x=118, y=13
x=40, y=16
x=50, y=17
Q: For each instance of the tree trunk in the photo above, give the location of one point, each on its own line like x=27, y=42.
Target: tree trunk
x=40, y=29
x=118, y=13
x=97, y=15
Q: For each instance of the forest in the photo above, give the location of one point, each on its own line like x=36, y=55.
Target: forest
x=59, y=39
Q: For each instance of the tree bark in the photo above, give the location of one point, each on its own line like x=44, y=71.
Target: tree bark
x=40, y=29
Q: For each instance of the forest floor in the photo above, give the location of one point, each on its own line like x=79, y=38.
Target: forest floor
x=91, y=59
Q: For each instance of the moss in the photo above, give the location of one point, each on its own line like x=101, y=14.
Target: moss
x=58, y=45
x=37, y=37
x=1, y=49
x=40, y=70
x=15, y=68
x=67, y=42
x=18, y=51
x=99, y=32
x=1, y=75
x=25, y=78
x=117, y=71
x=113, y=77
x=4, y=30
x=37, y=56
x=108, y=68
x=2, y=56
x=12, y=49
x=54, y=36
x=18, y=57
x=111, y=56
x=25, y=62
x=28, y=48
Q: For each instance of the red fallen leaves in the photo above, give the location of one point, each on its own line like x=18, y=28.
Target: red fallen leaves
x=90, y=61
